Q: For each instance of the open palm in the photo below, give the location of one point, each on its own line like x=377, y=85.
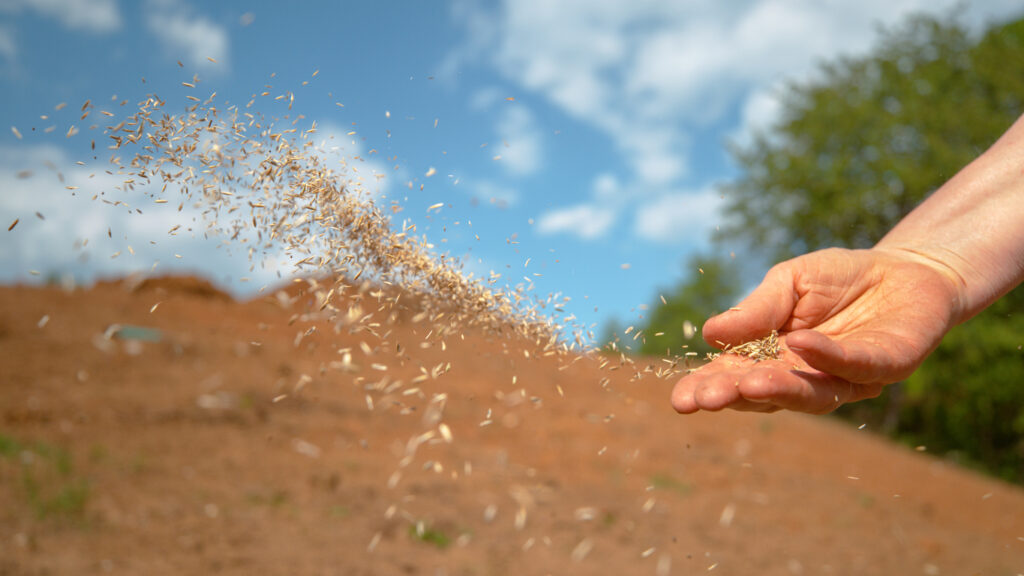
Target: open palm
x=850, y=321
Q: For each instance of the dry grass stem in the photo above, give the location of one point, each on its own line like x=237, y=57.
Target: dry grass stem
x=766, y=348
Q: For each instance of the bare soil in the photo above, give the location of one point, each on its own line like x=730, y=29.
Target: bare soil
x=224, y=439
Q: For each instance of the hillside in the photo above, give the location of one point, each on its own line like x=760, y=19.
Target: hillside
x=207, y=435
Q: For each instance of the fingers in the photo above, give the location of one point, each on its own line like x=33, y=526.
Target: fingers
x=693, y=395
x=855, y=360
x=801, y=391
x=767, y=308
x=766, y=389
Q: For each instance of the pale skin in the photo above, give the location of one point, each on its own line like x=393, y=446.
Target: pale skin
x=852, y=321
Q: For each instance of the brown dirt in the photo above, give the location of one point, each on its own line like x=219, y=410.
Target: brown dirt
x=191, y=467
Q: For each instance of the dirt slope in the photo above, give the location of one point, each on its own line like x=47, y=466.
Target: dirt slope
x=159, y=448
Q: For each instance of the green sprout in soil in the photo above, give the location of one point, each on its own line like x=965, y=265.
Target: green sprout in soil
x=47, y=478
x=670, y=484
x=430, y=536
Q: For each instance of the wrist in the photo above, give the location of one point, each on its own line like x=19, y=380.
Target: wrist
x=947, y=272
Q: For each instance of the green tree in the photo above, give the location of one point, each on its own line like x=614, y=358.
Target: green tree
x=710, y=286
x=854, y=151
x=860, y=146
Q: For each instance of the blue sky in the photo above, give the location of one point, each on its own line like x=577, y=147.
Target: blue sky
x=586, y=136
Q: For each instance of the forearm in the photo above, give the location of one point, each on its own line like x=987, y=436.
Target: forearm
x=972, y=228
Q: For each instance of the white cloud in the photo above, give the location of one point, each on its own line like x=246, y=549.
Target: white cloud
x=484, y=98
x=186, y=35
x=494, y=193
x=72, y=235
x=760, y=111
x=647, y=73
x=97, y=16
x=586, y=221
x=677, y=217
x=8, y=48
x=522, y=144
x=606, y=187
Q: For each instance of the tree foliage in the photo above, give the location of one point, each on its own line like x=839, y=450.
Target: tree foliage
x=869, y=138
x=855, y=149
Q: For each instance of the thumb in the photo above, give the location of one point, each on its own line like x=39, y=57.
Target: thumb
x=767, y=308
x=867, y=359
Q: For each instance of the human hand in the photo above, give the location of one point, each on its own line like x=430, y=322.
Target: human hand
x=850, y=321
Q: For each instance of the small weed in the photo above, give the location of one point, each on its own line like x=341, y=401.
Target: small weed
x=68, y=501
x=47, y=479
x=668, y=483
x=9, y=447
x=430, y=536
x=138, y=464
x=866, y=501
x=339, y=512
x=247, y=401
x=97, y=453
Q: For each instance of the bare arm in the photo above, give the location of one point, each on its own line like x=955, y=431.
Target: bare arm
x=973, y=227
x=855, y=320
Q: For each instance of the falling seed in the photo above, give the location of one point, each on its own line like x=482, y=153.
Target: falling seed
x=374, y=542
x=13, y=224
x=279, y=398
x=728, y=513
x=211, y=59
x=43, y=321
x=154, y=307
x=664, y=565
x=430, y=172
x=17, y=134
x=580, y=551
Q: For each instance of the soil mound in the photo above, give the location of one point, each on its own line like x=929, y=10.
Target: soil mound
x=206, y=435
x=187, y=285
